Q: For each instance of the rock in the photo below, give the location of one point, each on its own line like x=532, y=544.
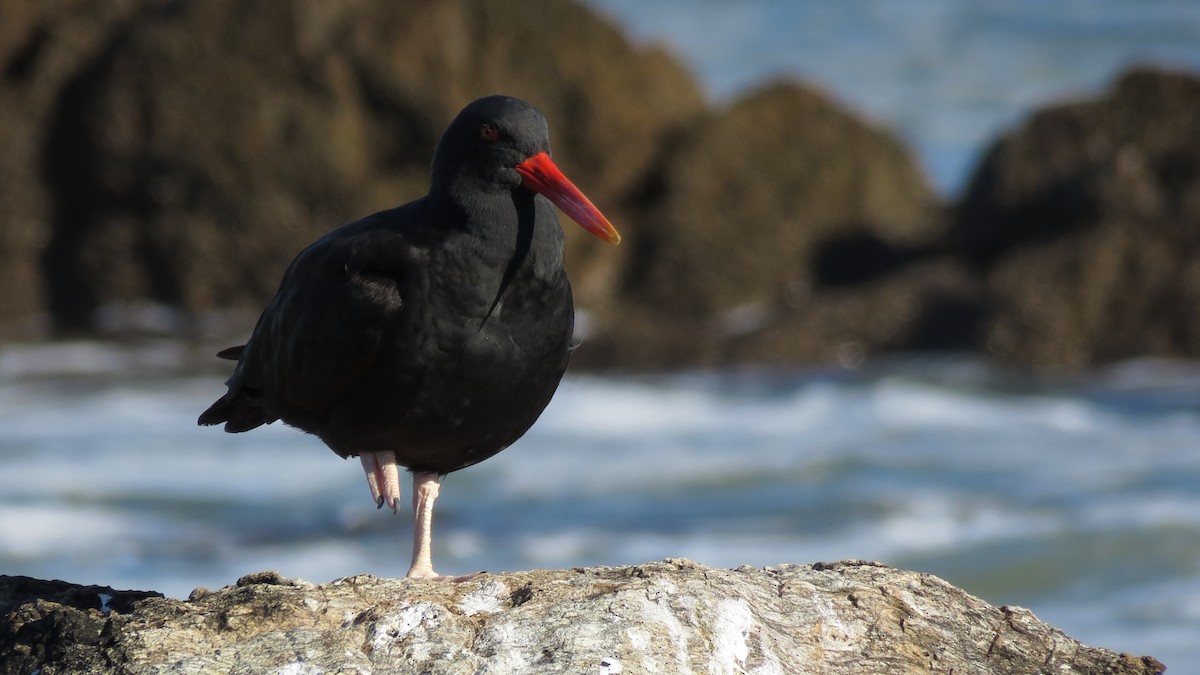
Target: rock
x=182, y=153
x=1085, y=226
x=57, y=624
x=43, y=48
x=670, y=617
x=724, y=265
x=175, y=156
x=211, y=141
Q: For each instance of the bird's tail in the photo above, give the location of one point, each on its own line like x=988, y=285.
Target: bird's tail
x=235, y=414
x=237, y=411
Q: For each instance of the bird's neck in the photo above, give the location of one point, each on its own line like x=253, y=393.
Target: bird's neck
x=513, y=234
x=506, y=228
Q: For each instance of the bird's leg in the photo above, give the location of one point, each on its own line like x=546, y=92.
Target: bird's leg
x=383, y=477
x=425, y=493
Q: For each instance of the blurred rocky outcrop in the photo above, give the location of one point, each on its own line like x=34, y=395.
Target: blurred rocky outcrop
x=779, y=230
x=203, y=144
x=46, y=48
x=670, y=617
x=1085, y=225
x=181, y=153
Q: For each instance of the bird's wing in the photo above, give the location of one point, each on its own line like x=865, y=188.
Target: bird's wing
x=336, y=307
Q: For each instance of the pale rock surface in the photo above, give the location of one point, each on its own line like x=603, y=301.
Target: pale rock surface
x=675, y=616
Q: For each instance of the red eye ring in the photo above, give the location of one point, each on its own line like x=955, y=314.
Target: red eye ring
x=488, y=133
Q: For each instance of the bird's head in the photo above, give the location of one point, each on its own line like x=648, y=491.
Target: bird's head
x=501, y=142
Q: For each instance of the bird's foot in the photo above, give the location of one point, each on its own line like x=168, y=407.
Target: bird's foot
x=430, y=575
x=383, y=478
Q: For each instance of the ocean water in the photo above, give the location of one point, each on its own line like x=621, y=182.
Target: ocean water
x=1076, y=497
x=947, y=75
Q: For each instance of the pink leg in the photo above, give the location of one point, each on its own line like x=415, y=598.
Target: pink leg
x=425, y=493
x=383, y=478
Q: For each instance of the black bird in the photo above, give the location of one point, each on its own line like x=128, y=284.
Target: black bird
x=432, y=335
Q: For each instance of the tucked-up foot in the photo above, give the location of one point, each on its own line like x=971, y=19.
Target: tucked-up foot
x=383, y=478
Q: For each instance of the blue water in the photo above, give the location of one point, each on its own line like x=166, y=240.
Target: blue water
x=947, y=75
x=1078, y=498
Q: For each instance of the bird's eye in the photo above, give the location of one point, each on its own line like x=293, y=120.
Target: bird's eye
x=488, y=133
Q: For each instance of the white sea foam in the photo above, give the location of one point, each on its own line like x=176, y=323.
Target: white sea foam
x=80, y=358
x=34, y=531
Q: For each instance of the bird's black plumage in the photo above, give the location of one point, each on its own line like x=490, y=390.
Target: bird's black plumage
x=438, y=330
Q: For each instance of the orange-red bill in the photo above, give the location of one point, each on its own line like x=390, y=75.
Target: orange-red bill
x=539, y=174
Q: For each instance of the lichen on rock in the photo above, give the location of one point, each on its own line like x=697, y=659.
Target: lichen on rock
x=674, y=616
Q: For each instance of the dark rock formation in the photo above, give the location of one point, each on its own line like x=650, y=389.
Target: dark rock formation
x=1085, y=224
x=669, y=617
x=44, y=47
x=56, y=624
x=208, y=142
x=776, y=232
x=181, y=153
x=189, y=150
